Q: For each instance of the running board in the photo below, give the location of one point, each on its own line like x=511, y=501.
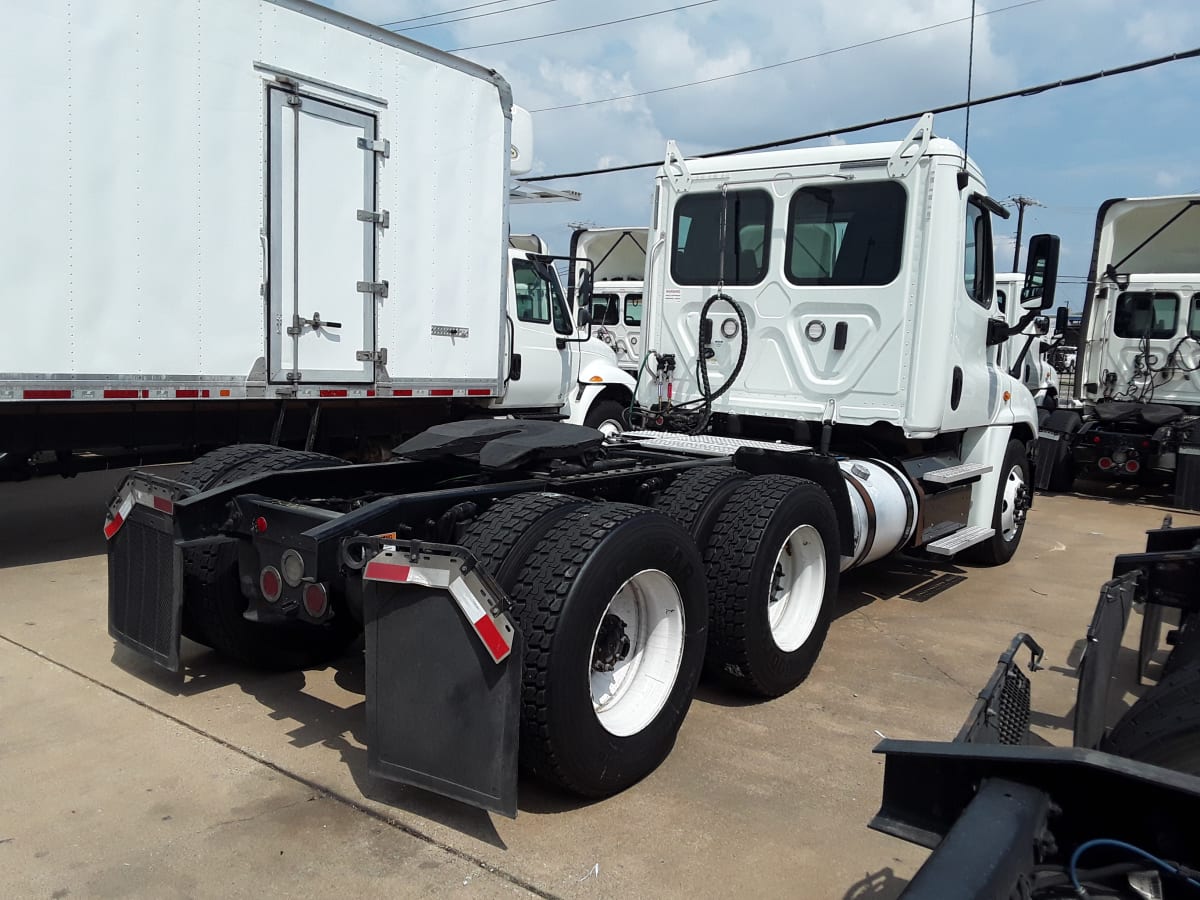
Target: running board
x=961, y=540
x=956, y=474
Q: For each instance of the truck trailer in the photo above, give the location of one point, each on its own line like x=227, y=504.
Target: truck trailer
x=266, y=222
x=817, y=395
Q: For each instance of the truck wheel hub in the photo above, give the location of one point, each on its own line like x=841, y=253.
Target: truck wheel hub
x=612, y=644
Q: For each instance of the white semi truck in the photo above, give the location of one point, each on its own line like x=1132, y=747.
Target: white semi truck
x=240, y=232
x=818, y=394
x=615, y=258
x=1136, y=397
x=1025, y=355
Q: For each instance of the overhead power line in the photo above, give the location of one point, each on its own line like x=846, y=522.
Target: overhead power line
x=534, y=37
x=892, y=120
x=444, y=12
x=495, y=12
x=786, y=62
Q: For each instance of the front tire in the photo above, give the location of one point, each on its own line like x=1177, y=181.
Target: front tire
x=1008, y=511
x=608, y=417
x=773, y=566
x=614, y=613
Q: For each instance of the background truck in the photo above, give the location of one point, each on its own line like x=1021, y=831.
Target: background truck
x=221, y=245
x=1112, y=816
x=617, y=258
x=535, y=592
x=1136, y=396
x=1025, y=357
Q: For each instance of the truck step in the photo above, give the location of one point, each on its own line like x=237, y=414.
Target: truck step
x=702, y=444
x=961, y=540
x=956, y=474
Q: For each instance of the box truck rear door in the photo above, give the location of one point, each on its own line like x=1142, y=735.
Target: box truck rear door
x=322, y=174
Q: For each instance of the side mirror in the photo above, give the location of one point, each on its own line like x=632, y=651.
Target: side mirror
x=1061, y=320
x=1041, y=272
x=584, y=317
x=583, y=296
x=1041, y=325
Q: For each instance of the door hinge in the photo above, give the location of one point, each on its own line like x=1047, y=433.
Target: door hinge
x=381, y=218
x=295, y=376
x=380, y=146
x=379, y=288
x=375, y=356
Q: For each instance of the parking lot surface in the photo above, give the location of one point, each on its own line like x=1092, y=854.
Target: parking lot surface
x=120, y=781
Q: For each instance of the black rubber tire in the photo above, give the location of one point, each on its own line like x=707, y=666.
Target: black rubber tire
x=563, y=592
x=696, y=498
x=204, y=471
x=1062, y=473
x=214, y=603
x=996, y=551
x=1163, y=726
x=1186, y=652
x=504, y=536
x=739, y=560
x=605, y=411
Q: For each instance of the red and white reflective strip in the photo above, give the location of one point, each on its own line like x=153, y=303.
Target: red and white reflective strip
x=134, y=495
x=19, y=392
x=493, y=631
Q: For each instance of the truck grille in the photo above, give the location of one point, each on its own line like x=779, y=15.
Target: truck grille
x=143, y=599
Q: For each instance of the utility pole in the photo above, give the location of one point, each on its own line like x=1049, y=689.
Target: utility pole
x=1020, y=203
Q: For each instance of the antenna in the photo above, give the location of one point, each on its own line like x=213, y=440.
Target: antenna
x=962, y=175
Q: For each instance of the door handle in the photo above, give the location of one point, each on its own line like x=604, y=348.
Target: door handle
x=298, y=323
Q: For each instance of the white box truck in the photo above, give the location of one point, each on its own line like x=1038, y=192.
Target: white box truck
x=249, y=220
x=818, y=395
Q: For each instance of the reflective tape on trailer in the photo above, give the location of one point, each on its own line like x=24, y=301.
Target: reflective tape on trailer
x=493, y=630
x=124, y=505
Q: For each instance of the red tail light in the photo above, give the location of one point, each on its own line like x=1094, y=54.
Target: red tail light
x=270, y=582
x=316, y=600
x=1105, y=463
x=1132, y=466
x=1096, y=439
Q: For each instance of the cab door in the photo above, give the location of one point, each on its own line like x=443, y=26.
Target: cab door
x=539, y=360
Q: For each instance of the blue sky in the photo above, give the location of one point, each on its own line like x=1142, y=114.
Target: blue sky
x=1134, y=135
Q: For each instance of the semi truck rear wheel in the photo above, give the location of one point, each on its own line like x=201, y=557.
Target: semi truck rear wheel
x=1011, y=503
x=613, y=612
x=213, y=602
x=772, y=563
x=696, y=498
x=1163, y=726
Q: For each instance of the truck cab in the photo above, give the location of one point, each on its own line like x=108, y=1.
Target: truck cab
x=552, y=358
x=1136, y=400
x=1027, y=350
x=842, y=295
x=617, y=257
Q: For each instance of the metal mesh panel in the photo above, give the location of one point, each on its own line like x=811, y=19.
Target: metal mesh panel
x=143, y=606
x=1012, y=710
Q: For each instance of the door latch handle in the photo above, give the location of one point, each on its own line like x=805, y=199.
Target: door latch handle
x=298, y=323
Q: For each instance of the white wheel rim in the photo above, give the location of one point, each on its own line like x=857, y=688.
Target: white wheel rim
x=1010, y=522
x=610, y=428
x=797, y=588
x=631, y=682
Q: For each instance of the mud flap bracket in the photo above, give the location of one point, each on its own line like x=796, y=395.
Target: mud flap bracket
x=443, y=676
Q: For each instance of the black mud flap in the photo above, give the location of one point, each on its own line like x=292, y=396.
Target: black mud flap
x=443, y=684
x=1100, y=657
x=1052, y=448
x=145, y=577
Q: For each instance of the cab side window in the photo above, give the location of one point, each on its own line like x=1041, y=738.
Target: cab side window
x=977, y=256
x=1146, y=314
x=539, y=299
